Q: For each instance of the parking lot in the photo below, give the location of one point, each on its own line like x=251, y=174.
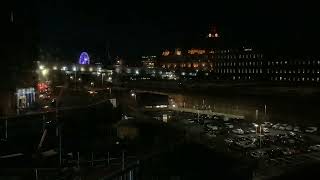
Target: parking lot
x=267, y=141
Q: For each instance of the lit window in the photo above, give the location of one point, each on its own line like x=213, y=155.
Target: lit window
x=260, y=71
x=318, y=79
x=303, y=79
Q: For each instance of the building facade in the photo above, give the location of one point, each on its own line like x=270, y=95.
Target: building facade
x=243, y=64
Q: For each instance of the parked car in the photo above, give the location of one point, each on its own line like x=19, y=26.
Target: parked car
x=267, y=124
x=211, y=134
x=311, y=129
x=291, y=133
x=289, y=128
x=265, y=130
x=228, y=140
x=258, y=154
x=276, y=126
x=315, y=147
x=287, y=152
x=228, y=125
x=211, y=127
x=282, y=128
x=296, y=129
x=238, y=131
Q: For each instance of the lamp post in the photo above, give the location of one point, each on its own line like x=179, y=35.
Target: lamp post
x=102, y=75
x=75, y=76
x=134, y=95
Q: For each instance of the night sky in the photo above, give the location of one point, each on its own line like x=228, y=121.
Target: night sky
x=133, y=29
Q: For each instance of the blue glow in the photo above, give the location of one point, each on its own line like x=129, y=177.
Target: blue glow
x=84, y=58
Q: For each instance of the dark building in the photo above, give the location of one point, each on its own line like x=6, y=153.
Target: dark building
x=19, y=41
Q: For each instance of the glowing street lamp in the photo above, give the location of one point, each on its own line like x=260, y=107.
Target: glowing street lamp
x=45, y=72
x=134, y=95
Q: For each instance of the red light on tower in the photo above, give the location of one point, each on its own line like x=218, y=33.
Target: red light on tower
x=213, y=33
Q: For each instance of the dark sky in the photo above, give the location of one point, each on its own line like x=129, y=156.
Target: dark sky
x=138, y=28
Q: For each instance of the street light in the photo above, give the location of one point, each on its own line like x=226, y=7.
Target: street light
x=256, y=125
x=45, y=72
x=102, y=74
x=134, y=95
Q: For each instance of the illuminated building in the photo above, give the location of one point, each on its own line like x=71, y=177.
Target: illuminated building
x=188, y=60
x=148, y=61
x=242, y=64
